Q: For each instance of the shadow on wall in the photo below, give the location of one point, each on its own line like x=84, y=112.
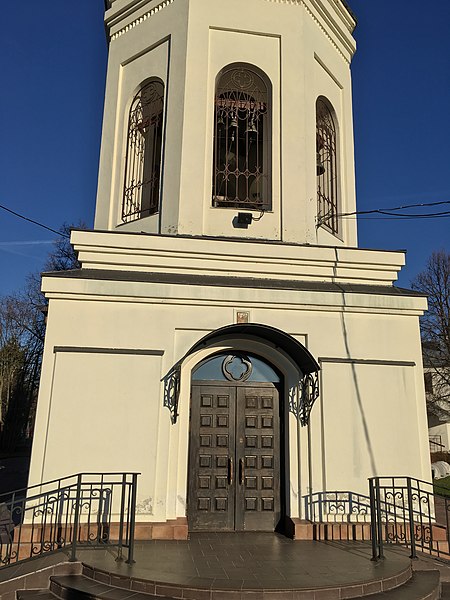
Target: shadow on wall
x=358, y=391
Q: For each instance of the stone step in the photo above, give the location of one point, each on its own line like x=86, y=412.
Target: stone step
x=210, y=588
x=35, y=595
x=423, y=586
x=79, y=587
x=445, y=590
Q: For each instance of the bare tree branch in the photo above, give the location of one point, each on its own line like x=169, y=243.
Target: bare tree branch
x=435, y=327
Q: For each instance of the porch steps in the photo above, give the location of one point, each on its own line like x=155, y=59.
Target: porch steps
x=422, y=586
x=35, y=595
x=80, y=587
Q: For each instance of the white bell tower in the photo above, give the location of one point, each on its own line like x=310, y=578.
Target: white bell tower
x=216, y=108
x=226, y=162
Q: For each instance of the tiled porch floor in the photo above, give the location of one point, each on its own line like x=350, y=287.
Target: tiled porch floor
x=241, y=561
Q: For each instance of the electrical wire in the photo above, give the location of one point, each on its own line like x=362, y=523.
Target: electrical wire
x=16, y=214
x=402, y=216
x=387, y=210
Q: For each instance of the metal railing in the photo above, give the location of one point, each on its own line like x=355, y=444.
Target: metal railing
x=86, y=509
x=410, y=512
x=337, y=507
x=435, y=442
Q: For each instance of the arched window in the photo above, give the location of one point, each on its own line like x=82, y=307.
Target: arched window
x=242, y=153
x=327, y=168
x=143, y=158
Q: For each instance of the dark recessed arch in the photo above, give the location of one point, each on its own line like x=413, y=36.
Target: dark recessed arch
x=327, y=165
x=242, y=138
x=293, y=348
x=308, y=386
x=141, y=194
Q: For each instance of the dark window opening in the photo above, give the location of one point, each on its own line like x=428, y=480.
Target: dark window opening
x=241, y=177
x=428, y=377
x=327, y=169
x=143, y=159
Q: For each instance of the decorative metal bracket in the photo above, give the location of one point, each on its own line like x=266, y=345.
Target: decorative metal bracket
x=300, y=405
x=172, y=391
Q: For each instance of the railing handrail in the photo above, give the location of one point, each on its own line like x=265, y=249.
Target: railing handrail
x=333, y=504
x=406, y=477
x=406, y=510
x=436, y=443
x=434, y=487
x=68, y=512
x=324, y=492
x=60, y=479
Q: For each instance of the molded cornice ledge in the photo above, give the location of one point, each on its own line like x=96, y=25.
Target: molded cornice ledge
x=211, y=256
x=336, y=22
x=151, y=288
x=331, y=16
x=126, y=14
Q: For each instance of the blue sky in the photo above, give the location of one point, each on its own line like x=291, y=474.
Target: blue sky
x=53, y=62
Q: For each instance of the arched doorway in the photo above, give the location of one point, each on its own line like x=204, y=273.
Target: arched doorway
x=235, y=455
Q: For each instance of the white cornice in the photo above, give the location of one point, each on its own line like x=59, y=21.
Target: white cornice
x=94, y=290
x=141, y=19
x=109, y=250
x=330, y=16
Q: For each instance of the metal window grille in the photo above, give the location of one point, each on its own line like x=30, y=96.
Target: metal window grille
x=428, y=378
x=143, y=158
x=241, y=141
x=327, y=173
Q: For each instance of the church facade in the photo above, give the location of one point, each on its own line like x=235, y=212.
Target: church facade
x=225, y=336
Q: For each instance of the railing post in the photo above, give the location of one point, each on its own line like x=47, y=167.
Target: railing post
x=307, y=506
x=376, y=525
x=122, y=517
x=379, y=519
x=132, y=517
x=373, y=521
x=76, y=519
x=411, y=518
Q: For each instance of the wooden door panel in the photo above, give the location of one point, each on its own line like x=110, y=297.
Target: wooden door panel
x=258, y=451
x=234, y=458
x=212, y=447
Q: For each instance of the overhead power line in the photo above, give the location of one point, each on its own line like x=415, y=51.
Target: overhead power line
x=389, y=211
x=16, y=214
x=401, y=217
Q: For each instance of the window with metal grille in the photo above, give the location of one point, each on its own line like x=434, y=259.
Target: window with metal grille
x=327, y=168
x=242, y=153
x=428, y=378
x=143, y=158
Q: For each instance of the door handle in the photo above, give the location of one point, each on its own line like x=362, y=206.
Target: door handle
x=230, y=471
x=241, y=471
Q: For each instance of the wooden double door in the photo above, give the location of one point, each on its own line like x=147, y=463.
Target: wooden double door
x=234, y=457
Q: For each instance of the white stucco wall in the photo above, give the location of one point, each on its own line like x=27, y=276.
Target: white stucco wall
x=110, y=343
x=142, y=300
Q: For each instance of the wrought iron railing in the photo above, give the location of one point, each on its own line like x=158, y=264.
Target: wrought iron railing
x=436, y=444
x=337, y=507
x=410, y=512
x=86, y=509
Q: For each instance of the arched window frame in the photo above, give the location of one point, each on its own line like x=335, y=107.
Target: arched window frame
x=242, y=106
x=142, y=178
x=327, y=155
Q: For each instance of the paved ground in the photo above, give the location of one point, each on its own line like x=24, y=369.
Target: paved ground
x=251, y=561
